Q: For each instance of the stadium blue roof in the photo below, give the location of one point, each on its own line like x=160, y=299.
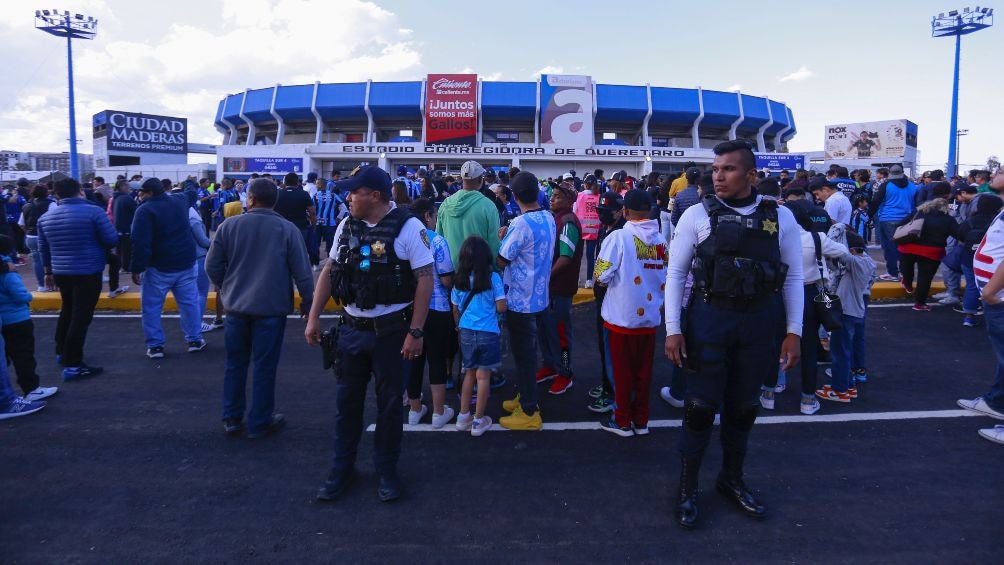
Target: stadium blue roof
x=510, y=101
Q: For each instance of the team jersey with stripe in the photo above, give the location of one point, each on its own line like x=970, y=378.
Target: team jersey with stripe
x=989, y=254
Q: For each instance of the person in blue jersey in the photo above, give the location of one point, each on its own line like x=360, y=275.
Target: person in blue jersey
x=440, y=330
x=330, y=209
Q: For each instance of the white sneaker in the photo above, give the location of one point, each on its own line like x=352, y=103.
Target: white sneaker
x=481, y=426
x=809, y=408
x=207, y=327
x=940, y=295
x=42, y=289
x=673, y=401
x=415, y=417
x=464, y=422
x=949, y=301
x=118, y=291
x=981, y=406
x=589, y=283
x=440, y=420
x=994, y=434
x=767, y=401
x=40, y=393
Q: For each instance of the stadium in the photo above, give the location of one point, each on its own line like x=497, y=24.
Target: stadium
x=549, y=126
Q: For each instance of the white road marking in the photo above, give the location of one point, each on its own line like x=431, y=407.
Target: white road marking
x=794, y=419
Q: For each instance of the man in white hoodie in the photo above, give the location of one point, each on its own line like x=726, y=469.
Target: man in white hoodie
x=632, y=265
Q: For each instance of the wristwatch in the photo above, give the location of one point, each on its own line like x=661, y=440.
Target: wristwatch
x=416, y=333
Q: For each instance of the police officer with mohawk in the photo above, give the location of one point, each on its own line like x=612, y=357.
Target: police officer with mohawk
x=380, y=268
x=743, y=250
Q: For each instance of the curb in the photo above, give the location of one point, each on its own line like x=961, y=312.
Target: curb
x=130, y=301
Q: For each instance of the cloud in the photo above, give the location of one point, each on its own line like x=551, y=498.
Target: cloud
x=179, y=69
x=734, y=88
x=550, y=70
x=802, y=73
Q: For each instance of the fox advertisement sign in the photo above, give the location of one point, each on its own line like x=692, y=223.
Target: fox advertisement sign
x=451, y=109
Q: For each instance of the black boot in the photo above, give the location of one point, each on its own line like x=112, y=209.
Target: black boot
x=686, y=510
x=730, y=484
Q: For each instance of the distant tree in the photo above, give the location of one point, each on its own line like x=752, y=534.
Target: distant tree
x=22, y=167
x=993, y=163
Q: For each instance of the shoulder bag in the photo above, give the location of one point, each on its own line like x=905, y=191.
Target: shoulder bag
x=826, y=304
x=910, y=231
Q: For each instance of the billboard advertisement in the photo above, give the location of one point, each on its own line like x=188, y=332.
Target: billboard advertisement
x=451, y=109
x=566, y=111
x=870, y=140
x=142, y=133
x=262, y=165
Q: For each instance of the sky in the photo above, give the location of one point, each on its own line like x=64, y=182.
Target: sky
x=832, y=63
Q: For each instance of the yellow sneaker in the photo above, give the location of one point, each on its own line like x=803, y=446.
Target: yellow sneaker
x=519, y=421
x=511, y=405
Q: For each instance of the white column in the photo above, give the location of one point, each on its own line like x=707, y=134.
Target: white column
x=742, y=116
x=645, y=140
x=319, y=130
x=695, y=130
x=759, y=134
x=252, y=131
x=778, y=139
x=369, y=114
x=281, y=125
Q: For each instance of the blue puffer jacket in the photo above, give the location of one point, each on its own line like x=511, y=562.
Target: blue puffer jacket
x=73, y=237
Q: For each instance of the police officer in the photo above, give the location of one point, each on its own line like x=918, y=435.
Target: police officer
x=380, y=268
x=743, y=249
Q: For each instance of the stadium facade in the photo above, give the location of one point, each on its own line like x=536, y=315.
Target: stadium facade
x=557, y=123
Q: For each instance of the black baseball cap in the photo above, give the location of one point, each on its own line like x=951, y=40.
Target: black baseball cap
x=611, y=201
x=619, y=176
x=637, y=200
x=589, y=179
x=371, y=176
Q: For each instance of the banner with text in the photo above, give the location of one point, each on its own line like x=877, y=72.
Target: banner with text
x=780, y=161
x=142, y=133
x=566, y=111
x=451, y=109
x=870, y=140
x=262, y=165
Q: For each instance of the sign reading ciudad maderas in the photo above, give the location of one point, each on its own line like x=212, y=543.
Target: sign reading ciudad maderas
x=142, y=133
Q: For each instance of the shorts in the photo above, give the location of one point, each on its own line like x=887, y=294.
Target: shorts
x=480, y=350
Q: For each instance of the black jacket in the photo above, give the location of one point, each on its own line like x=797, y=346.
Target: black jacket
x=938, y=227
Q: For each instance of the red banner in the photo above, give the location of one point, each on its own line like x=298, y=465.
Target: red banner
x=451, y=109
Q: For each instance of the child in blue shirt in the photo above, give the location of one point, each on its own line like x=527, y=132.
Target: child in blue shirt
x=478, y=297
x=18, y=329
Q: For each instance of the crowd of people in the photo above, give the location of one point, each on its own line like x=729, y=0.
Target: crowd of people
x=740, y=266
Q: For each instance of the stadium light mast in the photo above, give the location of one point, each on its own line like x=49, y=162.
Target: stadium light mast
x=958, y=24
x=70, y=26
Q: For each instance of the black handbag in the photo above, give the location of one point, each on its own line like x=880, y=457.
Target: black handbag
x=826, y=303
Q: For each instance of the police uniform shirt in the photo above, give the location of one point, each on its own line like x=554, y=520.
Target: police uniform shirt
x=411, y=245
x=695, y=226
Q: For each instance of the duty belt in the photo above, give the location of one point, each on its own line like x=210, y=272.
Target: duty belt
x=381, y=325
x=739, y=304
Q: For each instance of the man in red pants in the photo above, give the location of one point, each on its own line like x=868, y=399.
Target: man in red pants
x=632, y=265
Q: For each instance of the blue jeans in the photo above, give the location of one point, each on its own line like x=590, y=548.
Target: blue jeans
x=36, y=259
x=554, y=355
x=250, y=338
x=7, y=393
x=971, y=298
x=994, y=316
x=523, y=342
x=183, y=286
x=953, y=279
x=885, y=232
x=858, y=341
x=202, y=282
x=841, y=347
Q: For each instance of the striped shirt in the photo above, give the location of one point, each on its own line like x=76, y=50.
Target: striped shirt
x=330, y=206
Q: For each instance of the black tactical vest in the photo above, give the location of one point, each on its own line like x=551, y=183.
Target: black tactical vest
x=739, y=265
x=368, y=271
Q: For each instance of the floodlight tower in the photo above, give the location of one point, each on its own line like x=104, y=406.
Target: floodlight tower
x=958, y=24
x=70, y=26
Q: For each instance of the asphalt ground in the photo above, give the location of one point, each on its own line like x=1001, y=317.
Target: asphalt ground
x=133, y=467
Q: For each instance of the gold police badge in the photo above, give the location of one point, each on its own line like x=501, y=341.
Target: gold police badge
x=770, y=226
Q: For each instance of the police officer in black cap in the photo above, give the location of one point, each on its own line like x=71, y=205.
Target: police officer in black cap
x=742, y=249
x=380, y=268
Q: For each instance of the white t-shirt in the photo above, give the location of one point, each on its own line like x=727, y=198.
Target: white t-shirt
x=695, y=226
x=989, y=254
x=838, y=207
x=311, y=188
x=830, y=249
x=409, y=245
